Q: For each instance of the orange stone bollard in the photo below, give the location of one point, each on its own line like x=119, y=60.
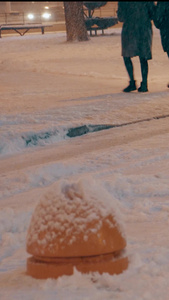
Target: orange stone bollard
x=72, y=227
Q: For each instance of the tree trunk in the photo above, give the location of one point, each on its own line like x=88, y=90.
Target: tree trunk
x=75, y=23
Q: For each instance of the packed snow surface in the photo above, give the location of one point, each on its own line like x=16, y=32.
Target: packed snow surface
x=49, y=86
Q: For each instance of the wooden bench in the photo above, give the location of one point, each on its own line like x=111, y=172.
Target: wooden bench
x=22, y=29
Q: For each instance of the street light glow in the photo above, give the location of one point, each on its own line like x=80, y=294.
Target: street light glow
x=46, y=15
x=30, y=16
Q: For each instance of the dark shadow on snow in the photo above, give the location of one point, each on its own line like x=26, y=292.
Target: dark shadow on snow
x=34, y=139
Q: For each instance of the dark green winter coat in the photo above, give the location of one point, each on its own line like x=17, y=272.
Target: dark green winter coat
x=161, y=21
x=137, y=28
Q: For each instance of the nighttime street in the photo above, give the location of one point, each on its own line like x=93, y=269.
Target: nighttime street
x=50, y=87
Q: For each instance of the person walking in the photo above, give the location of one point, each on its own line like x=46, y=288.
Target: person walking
x=136, y=38
x=161, y=21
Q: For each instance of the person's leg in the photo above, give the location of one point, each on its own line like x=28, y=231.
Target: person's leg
x=144, y=72
x=130, y=71
x=168, y=57
x=129, y=67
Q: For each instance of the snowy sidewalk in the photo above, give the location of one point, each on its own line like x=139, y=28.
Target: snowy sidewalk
x=61, y=86
x=24, y=130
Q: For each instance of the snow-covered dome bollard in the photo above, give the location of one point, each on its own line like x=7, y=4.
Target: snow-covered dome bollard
x=75, y=225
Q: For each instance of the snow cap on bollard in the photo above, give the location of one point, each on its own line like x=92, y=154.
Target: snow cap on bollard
x=75, y=224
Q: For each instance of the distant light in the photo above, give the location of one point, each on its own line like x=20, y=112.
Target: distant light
x=46, y=15
x=30, y=16
x=46, y=7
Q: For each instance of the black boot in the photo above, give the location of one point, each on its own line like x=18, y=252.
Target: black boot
x=131, y=87
x=143, y=87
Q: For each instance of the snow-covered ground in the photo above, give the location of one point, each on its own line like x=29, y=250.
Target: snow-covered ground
x=47, y=87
